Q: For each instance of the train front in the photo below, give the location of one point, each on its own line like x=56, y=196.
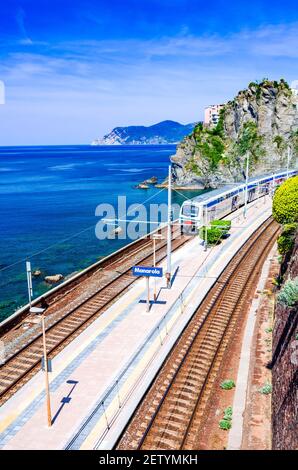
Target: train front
x=190, y=218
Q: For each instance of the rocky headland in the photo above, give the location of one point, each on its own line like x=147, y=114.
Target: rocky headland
x=165, y=132
x=261, y=122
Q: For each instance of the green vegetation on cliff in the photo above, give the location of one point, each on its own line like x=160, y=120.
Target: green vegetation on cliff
x=285, y=242
x=249, y=143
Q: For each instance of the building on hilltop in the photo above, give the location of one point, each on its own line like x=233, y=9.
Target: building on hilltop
x=211, y=115
x=294, y=87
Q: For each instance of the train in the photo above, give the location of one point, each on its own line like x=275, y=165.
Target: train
x=201, y=210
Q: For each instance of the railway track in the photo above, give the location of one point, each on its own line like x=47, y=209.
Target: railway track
x=173, y=410
x=62, y=327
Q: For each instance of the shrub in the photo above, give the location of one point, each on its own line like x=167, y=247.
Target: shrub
x=285, y=207
x=227, y=384
x=289, y=293
x=225, y=425
x=223, y=225
x=285, y=242
x=218, y=229
x=214, y=235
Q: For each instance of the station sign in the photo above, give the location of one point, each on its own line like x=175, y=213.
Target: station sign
x=148, y=271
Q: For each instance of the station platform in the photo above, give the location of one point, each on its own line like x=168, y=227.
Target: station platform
x=99, y=378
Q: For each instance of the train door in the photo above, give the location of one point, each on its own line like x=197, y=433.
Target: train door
x=235, y=203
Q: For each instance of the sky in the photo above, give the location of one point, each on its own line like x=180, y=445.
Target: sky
x=73, y=70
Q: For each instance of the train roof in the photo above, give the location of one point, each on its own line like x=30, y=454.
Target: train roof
x=234, y=186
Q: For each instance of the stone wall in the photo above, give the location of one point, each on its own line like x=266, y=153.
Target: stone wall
x=285, y=369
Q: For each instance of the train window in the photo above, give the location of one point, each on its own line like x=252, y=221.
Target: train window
x=190, y=210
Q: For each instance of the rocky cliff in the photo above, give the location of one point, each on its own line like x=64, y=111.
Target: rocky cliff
x=260, y=121
x=165, y=132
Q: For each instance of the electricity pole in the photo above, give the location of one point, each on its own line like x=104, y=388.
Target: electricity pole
x=288, y=160
x=246, y=185
x=169, y=236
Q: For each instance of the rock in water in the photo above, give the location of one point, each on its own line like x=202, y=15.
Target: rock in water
x=54, y=279
x=36, y=273
x=152, y=180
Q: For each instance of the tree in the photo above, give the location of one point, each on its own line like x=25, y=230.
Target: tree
x=250, y=142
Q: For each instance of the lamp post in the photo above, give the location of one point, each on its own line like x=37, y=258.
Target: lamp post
x=169, y=234
x=246, y=186
x=206, y=229
x=40, y=312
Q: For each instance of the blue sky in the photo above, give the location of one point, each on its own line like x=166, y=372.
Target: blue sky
x=73, y=70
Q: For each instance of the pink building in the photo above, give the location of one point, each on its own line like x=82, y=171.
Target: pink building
x=212, y=114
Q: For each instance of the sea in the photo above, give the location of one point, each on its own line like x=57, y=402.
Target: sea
x=48, y=201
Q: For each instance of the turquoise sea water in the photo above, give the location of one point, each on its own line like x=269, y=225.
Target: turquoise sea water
x=48, y=194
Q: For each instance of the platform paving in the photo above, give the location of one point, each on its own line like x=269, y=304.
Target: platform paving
x=123, y=345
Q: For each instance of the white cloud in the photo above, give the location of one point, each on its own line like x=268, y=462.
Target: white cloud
x=79, y=90
x=2, y=92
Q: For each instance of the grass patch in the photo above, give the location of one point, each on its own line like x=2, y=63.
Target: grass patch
x=225, y=425
x=266, y=389
x=226, y=422
x=227, y=384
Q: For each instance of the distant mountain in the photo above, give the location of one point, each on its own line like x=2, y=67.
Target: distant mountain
x=165, y=132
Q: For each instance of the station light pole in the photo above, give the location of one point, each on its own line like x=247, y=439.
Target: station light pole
x=246, y=186
x=169, y=235
x=155, y=236
x=40, y=312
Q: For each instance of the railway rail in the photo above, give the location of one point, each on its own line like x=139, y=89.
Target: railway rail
x=69, y=314
x=173, y=409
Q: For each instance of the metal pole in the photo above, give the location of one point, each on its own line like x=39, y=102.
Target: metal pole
x=29, y=281
x=246, y=185
x=206, y=228
x=148, y=294
x=169, y=236
x=288, y=160
x=154, y=264
x=49, y=416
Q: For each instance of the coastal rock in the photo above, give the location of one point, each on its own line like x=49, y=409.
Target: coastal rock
x=142, y=186
x=152, y=180
x=270, y=106
x=54, y=279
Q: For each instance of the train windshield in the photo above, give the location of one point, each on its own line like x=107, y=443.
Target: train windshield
x=189, y=210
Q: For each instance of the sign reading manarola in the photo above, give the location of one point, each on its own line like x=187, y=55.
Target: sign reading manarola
x=149, y=231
